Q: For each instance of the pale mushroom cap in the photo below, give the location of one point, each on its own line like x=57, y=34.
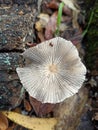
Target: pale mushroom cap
x=56, y=71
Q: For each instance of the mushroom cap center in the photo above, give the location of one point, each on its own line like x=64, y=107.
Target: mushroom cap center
x=53, y=68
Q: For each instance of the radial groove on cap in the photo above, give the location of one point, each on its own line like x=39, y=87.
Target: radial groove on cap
x=55, y=72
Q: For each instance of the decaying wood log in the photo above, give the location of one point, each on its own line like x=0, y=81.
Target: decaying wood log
x=9, y=61
x=16, y=30
x=16, y=27
x=70, y=111
x=10, y=86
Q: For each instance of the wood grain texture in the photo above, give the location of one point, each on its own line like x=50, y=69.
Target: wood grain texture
x=70, y=111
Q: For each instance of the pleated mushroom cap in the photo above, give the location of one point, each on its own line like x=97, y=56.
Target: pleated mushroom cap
x=55, y=72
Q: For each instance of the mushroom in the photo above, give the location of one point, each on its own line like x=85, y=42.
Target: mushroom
x=55, y=72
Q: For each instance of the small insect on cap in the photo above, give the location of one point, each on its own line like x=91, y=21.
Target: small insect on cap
x=55, y=72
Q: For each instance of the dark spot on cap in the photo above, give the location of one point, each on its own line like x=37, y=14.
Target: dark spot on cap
x=50, y=44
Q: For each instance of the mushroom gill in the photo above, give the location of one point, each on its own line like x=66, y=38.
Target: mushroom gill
x=55, y=72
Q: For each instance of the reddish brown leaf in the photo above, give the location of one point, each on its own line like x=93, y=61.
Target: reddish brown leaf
x=17, y=109
x=51, y=26
x=46, y=108
x=27, y=105
x=3, y=122
x=41, y=109
x=12, y=127
x=53, y=4
x=35, y=104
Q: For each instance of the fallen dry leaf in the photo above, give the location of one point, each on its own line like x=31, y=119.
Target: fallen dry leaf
x=12, y=127
x=27, y=105
x=75, y=8
x=31, y=123
x=51, y=26
x=43, y=20
x=41, y=109
x=39, y=26
x=3, y=122
x=35, y=104
x=53, y=4
x=71, y=4
x=41, y=36
x=75, y=19
x=17, y=109
x=44, y=17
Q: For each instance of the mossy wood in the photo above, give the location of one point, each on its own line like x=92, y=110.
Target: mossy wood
x=14, y=31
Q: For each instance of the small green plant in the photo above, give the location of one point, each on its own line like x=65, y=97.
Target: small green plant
x=59, y=17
